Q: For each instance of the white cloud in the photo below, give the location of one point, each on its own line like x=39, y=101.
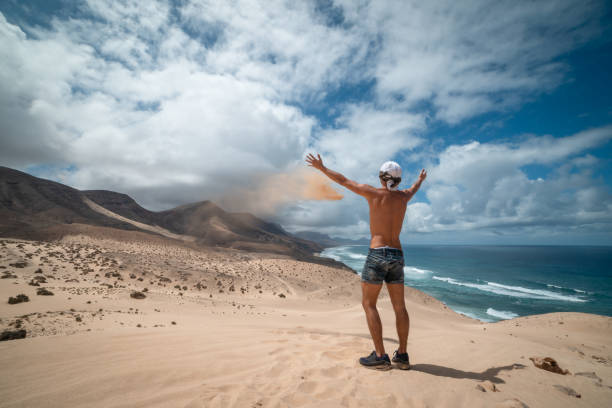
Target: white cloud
x=472, y=57
x=174, y=103
x=485, y=185
x=366, y=137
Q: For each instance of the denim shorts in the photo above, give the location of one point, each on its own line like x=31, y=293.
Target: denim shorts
x=383, y=264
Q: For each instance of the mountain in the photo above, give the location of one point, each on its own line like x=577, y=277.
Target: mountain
x=208, y=224
x=326, y=241
x=30, y=207
x=29, y=204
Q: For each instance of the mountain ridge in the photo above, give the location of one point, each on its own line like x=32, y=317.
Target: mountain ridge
x=30, y=206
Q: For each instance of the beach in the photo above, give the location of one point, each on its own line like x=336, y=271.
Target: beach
x=226, y=328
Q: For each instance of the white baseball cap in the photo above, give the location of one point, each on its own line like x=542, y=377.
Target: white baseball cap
x=392, y=168
x=391, y=173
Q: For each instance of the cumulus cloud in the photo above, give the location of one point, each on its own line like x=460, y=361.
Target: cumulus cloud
x=182, y=101
x=467, y=58
x=485, y=185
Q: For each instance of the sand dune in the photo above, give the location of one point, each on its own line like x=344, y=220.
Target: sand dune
x=228, y=328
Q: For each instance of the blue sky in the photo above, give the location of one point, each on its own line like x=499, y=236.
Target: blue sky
x=508, y=105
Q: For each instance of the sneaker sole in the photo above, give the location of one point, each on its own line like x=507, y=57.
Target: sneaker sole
x=402, y=366
x=382, y=367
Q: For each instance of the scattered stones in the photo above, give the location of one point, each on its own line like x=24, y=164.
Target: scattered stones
x=137, y=295
x=44, y=292
x=18, y=299
x=7, y=275
x=567, y=390
x=173, y=322
x=281, y=295
x=21, y=264
x=548, y=364
x=38, y=271
x=13, y=335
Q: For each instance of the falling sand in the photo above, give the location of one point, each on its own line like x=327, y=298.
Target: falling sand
x=275, y=190
x=318, y=187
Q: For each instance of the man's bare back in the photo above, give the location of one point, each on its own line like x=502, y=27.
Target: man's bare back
x=387, y=210
x=385, y=260
x=387, y=207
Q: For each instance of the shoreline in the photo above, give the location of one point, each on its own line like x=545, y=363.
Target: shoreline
x=489, y=283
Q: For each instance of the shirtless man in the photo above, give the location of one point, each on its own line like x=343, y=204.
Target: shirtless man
x=385, y=261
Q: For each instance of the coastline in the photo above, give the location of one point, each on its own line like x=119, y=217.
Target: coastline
x=240, y=343
x=492, y=282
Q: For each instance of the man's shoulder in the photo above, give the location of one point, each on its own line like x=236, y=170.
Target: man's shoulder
x=394, y=194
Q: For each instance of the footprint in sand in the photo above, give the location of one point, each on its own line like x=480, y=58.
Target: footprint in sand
x=308, y=387
x=276, y=370
x=333, y=372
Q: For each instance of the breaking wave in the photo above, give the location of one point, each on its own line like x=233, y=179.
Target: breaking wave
x=513, y=291
x=501, y=314
x=550, y=285
x=417, y=273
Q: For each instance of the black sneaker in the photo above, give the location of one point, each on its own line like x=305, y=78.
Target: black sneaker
x=375, y=362
x=401, y=360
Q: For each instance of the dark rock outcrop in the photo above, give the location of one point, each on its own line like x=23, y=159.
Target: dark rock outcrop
x=548, y=364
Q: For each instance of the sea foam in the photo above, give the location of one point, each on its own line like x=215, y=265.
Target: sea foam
x=550, y=285
x=501, y=314
x=416, y=273
x=513, y=291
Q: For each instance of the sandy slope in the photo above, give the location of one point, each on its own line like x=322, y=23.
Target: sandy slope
x=236, y=342
x=146, y=227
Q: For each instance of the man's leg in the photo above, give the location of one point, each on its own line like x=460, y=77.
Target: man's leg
x=402, y=321
x=370, y=293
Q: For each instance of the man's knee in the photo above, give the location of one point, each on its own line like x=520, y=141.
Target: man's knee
x=368, y=304
x=400, y=310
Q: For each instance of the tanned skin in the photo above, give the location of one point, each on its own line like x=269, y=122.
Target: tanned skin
x=387, y=210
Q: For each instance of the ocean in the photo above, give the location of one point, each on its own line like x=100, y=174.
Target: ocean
x=492, y=283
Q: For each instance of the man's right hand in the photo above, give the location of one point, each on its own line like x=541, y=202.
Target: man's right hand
x=314, y=162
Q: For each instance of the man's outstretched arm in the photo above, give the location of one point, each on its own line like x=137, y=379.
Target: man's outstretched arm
x=417, y=184
x=357, y=188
